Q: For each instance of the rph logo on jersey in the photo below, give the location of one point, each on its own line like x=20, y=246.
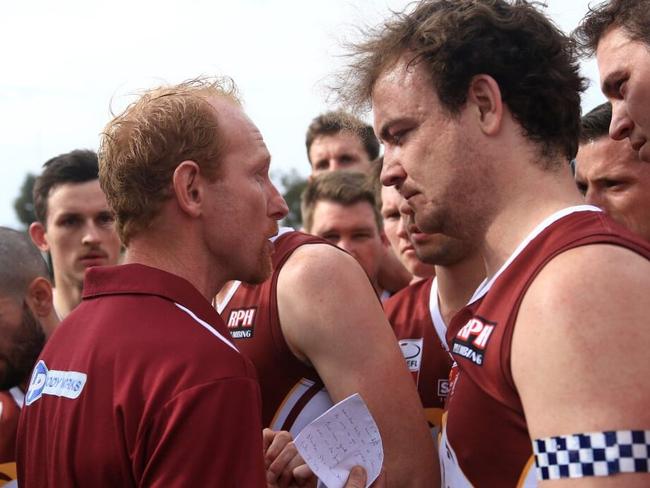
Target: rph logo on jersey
x=68, y=384
x=472, y=339
x=241, y=323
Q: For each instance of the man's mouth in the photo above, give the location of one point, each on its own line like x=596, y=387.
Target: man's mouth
x=94, y=258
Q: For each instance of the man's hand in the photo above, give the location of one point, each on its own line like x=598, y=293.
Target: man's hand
x=284, y=466
x=357, y=479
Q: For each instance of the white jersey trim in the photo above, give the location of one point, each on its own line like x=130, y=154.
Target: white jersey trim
x=220, y=306
x=436, y=317
x=282, y=231
x=207, y=327
x=487, y=283
x=18, y=396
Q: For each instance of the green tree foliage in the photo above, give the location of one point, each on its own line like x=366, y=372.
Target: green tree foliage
x=292, y=185
x=24, y=203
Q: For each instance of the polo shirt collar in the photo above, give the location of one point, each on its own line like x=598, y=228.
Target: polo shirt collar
x=139, y=279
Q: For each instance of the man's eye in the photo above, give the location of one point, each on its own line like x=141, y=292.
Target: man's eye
x=106, y=219
x=69, y=221
x=613, y=184
x=398, y=136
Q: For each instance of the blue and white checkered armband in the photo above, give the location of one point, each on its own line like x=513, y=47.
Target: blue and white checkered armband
x=592, y=454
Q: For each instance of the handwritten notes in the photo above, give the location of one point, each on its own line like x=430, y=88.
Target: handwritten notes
x=343, y=437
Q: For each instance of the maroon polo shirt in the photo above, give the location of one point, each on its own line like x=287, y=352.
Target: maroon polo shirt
x=140, y=386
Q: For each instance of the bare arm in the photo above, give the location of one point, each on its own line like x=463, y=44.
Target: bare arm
x=331, y=318
x=580, y=350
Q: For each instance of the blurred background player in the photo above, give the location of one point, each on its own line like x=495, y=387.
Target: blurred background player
x=395, y=229
x=610, y=174
x=27, y=319
x=340, y=207
x=420, y=312
x=339, y=140
x=74, y=223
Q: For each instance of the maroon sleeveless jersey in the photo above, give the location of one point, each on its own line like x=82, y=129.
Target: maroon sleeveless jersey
x=415, y=317
x=292, y=393
x=485, y=439
x=11, y=401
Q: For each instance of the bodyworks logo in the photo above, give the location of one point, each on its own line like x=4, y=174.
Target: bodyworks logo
x=472, y=339
x=241, y=322
x=67, y=384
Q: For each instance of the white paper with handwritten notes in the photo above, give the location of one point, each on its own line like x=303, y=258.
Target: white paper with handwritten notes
x=343, y=437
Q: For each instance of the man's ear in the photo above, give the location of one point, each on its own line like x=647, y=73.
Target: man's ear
x=37, y=233
x=484, y=93
x=39, y=297
x=188, y=187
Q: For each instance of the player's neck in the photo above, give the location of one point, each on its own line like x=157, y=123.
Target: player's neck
x=66, y=297
x=457, y=283
x=534, y=197
x=185, y=261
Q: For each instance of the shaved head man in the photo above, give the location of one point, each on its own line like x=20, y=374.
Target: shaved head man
x=27, y=318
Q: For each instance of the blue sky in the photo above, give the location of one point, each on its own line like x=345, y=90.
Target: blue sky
x=64, y=64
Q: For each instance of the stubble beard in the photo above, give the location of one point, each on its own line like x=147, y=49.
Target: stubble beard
x=28, y=342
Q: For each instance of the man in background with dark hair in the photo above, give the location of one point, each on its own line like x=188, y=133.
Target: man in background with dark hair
x=610, y=175
x=339, y=140
x=618, y=33
x=74, y=223
x=27, y=318
x=477, y=103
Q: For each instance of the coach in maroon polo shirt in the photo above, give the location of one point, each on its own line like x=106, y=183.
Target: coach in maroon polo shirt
x=140, y=385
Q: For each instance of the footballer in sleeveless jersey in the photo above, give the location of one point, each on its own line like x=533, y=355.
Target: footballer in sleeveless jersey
x=420, y=330
x=485, y=440
x=292, y=393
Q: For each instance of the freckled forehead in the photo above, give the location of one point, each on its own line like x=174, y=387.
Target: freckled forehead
x=608, y=50
x=403, y=86
x=233, y=120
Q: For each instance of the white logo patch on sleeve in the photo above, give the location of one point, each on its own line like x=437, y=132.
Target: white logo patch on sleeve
x=412, y=351
x=67, y=384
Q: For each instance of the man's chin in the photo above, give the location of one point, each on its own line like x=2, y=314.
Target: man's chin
x=261, y=273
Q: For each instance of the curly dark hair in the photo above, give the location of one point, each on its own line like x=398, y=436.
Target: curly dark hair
x=532, y=60
x=633, y=16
